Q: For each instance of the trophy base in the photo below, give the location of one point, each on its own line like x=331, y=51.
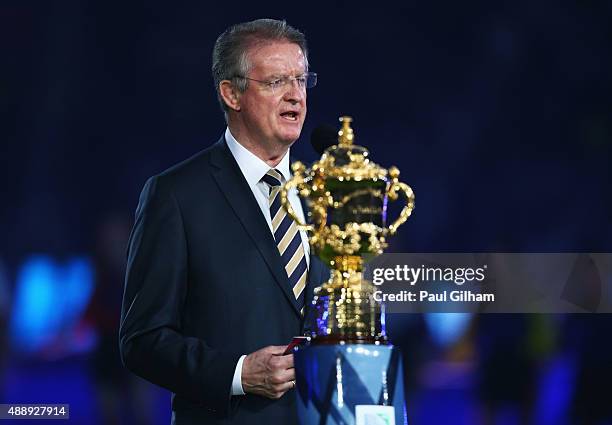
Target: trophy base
x=336, y=339
x=349, y=384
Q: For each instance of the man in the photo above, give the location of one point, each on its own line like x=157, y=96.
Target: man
x=218, y=275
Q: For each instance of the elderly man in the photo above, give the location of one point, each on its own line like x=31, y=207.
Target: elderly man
x=218, y=275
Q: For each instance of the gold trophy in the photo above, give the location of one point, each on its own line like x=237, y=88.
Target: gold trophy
x=347, y=196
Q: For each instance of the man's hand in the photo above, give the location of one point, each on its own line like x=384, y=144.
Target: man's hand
x=268, y=373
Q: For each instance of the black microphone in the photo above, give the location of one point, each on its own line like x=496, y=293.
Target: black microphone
x=323, y=137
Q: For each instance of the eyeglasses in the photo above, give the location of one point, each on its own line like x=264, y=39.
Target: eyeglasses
x=304, y=81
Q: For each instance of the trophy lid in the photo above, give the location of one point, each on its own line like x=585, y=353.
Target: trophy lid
x=347, y=161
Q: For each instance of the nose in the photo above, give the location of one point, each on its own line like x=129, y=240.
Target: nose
x=294, y=93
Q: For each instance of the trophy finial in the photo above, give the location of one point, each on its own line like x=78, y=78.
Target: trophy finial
x=345, y=135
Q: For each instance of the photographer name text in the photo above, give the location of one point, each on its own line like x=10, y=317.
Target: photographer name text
x=426, y=296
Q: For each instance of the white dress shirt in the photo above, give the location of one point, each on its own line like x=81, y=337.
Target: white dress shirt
x=253, y=169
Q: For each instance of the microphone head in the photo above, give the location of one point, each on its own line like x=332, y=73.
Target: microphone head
x=323, y=137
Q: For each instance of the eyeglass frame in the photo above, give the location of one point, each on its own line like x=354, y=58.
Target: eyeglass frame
x=287, y=79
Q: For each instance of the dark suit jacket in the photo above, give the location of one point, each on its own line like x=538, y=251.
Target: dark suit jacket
x=205, y=284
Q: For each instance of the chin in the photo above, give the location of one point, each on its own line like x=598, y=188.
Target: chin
x=288, y=139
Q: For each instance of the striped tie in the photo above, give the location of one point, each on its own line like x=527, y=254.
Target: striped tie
x=287, y=237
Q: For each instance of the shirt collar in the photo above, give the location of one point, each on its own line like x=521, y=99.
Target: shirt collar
x=253, y=168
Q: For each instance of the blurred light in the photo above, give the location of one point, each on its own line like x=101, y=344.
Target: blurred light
x=447, y=328
x=49, y=299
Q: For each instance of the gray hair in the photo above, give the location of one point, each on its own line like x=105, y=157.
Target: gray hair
x=229, y=59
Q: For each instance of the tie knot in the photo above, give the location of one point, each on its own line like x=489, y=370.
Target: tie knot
x=273, y=178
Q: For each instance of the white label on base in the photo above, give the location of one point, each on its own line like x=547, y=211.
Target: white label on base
x=372, y=414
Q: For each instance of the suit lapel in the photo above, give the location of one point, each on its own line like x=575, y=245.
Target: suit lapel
x=236, y=190
x=317, y=274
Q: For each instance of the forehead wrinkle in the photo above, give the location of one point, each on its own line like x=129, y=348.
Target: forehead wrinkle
x=282, y=65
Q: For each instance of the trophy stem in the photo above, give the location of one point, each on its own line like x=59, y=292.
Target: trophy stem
x=348, y=263
x=345, y=309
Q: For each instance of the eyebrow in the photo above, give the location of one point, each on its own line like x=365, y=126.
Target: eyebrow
x=287, y=75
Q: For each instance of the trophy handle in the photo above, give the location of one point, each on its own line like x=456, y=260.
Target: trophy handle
x=393, y=188
x=297, y=181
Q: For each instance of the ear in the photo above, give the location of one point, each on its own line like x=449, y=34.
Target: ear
x=230, y=95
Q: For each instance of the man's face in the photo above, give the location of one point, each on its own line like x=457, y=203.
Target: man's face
x=274, y=117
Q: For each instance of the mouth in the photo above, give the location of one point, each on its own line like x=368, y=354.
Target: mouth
x=290, y=115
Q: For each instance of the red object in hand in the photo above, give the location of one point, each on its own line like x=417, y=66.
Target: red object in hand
x=297, y=340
